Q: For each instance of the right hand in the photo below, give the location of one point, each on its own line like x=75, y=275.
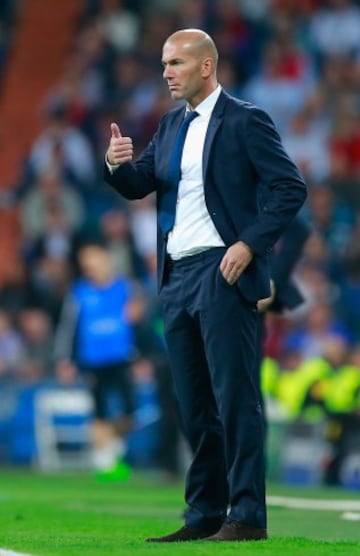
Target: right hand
x=266, y=302
x=120, y=148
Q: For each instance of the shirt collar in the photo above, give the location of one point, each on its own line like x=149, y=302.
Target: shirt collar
x=207, y=105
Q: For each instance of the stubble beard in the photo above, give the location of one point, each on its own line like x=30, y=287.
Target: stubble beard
x=176, y=95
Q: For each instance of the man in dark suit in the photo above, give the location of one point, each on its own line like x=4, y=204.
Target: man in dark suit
x=213, y=246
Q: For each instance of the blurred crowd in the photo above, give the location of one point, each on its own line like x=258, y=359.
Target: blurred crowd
x=300, y=61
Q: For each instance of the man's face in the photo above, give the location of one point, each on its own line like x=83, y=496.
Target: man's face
x=183, y=71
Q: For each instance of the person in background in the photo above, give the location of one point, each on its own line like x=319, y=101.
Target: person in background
x=37, y=336
x=207, y=162
x=98, y=318
x=11, y=348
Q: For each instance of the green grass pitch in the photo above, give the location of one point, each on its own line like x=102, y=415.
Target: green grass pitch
x=58, y=515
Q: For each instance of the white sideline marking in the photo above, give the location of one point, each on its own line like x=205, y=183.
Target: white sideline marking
x=4, y=552
x=350, y=516
x=283, y=501
x=308, y=504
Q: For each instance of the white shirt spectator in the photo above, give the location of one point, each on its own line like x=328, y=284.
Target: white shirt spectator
x=307, y=143
x=280, y=97
x=75, y=149
x=336, y=31
x=120, y=26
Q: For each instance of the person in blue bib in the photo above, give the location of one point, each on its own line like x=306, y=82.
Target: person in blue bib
x=97, y=330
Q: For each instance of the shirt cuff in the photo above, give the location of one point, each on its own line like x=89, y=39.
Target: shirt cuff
x=111, y=167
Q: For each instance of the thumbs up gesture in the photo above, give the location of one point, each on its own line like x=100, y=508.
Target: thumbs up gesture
x=120, y=148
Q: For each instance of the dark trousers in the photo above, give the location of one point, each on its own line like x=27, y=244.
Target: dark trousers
x=210, y=331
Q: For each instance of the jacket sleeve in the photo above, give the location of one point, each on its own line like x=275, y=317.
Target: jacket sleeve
x=277, y=172
x=134, y=180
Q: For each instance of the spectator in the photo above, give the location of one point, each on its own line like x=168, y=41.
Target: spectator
x=319, y=324
x=36, y=333
x=15, y=291
x=332, y=218
x=81, y=89
x=282, y=86
x=120, y=26
x=307, y=143
x=115, y=228
x=11, y=349
x=49, y=281
x=193, y=13
x=61, y=144
x=335, y=28
x=51, y=208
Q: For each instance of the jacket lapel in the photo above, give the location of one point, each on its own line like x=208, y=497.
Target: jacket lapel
x=170, y=136
x=214, y=124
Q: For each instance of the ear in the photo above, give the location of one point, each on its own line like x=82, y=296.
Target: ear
x=207, y=67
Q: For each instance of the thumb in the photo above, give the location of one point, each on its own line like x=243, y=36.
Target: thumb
x=115, y=131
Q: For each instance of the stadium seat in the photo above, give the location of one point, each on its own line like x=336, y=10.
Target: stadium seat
x=62, y=429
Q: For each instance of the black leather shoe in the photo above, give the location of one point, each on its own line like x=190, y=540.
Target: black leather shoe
x=235, y=531
x=183, y=535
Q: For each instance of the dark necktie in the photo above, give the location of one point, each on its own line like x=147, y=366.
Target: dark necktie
x=168, y=203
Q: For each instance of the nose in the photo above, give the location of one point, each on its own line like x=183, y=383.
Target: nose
x=166, y=74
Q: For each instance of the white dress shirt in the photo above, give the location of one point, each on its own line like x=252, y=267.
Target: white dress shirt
x=194, y=230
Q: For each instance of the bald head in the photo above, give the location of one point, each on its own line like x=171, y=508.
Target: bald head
x=199, y=43
x=189, y=59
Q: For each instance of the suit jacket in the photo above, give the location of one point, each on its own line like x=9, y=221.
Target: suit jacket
x=242, y=152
